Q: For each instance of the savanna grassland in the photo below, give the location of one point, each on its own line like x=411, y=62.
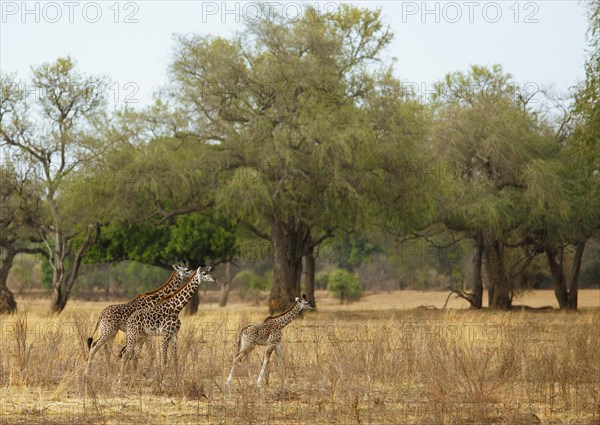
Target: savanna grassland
x=376, y=361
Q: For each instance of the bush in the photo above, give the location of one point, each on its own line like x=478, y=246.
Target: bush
x=251, y=284
x=321, y=280
x=344, y=285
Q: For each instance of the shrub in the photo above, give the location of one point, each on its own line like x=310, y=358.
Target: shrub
x=251, y=284
x=321, y=280
x=344, y=285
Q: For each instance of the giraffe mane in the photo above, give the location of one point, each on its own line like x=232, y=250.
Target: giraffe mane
x=181, y=288
x=281, y=314
x=149, y=293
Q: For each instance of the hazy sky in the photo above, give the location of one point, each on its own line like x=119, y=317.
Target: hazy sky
x=541, y=43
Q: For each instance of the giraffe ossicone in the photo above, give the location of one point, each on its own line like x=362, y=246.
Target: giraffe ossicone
x=268, y=333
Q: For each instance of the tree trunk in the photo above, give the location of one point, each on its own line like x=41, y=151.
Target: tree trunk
x=7, y=299
x=225, y=285
x=558, y=277
x=66, y=266
x=574, y=281
x=107, y=287
x=502, y=292
x=59, y=298
x=287, y=267
x=566, y=296
x=477, y=295
x=309, y=277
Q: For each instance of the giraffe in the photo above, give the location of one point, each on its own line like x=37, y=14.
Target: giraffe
x=267, y=333
x=114, y=317
x=161, y=319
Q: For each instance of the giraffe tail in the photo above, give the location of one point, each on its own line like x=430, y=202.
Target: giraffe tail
x=90, y=340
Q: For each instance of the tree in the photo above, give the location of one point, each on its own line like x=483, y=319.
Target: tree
x=20, y=212
x=251, y=284
x=53, y=136
x=196, y=238
x=487, y=135
x=166, y=177
x=564, y=192
x=344, y=285
x=283, y=106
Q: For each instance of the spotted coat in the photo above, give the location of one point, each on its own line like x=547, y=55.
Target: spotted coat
x=114, y=317
x=268, y=333
x=161, y=319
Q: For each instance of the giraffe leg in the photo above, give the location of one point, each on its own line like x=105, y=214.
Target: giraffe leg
x=249, y=369
x=174, y=348
x=107, y=334
x=137, y=350
x=131, y=349
x=265, y=366
x=239, y=357
x=108, y=351
x=124, y=361
x=174, y=351
x=166, y=340
x=280, y=360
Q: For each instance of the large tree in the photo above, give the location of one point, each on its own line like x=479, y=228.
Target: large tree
x=487, y=135
x=564, y=191
x=284, y=106
x=20, y=214
x=51, y=132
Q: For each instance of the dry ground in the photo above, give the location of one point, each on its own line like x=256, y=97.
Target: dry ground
x=381, y=360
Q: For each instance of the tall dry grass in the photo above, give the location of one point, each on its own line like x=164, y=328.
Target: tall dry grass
x=384, y=366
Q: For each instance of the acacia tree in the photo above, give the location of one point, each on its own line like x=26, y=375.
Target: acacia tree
x=283, y=106
x=563, y=212
x=51, y=133
x=564, y=192
x=20, y=212
x=155, y=185
x=487, y=133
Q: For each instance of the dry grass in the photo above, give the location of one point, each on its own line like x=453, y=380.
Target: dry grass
x=370, y=362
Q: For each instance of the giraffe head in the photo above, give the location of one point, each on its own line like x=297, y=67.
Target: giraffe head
x=182, y=271
x=203, y=274
x=303, y=302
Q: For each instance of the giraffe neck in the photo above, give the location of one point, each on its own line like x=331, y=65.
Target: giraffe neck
x=166, y=288
x=181, y=297
x=171, y=286
x=286, y=317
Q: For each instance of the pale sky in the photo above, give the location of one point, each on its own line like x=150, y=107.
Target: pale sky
x=541, y=43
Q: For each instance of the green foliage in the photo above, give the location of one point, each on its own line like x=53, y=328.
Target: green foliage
x=125, y=279
x=47, y=271
x=195, y=237
x=344, y=285
x=353, y=250
x=201, y=237
x=587, y=98
x=251, y=285
x=321, y=279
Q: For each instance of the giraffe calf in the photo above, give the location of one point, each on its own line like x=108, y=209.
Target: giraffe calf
x=267, y=333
